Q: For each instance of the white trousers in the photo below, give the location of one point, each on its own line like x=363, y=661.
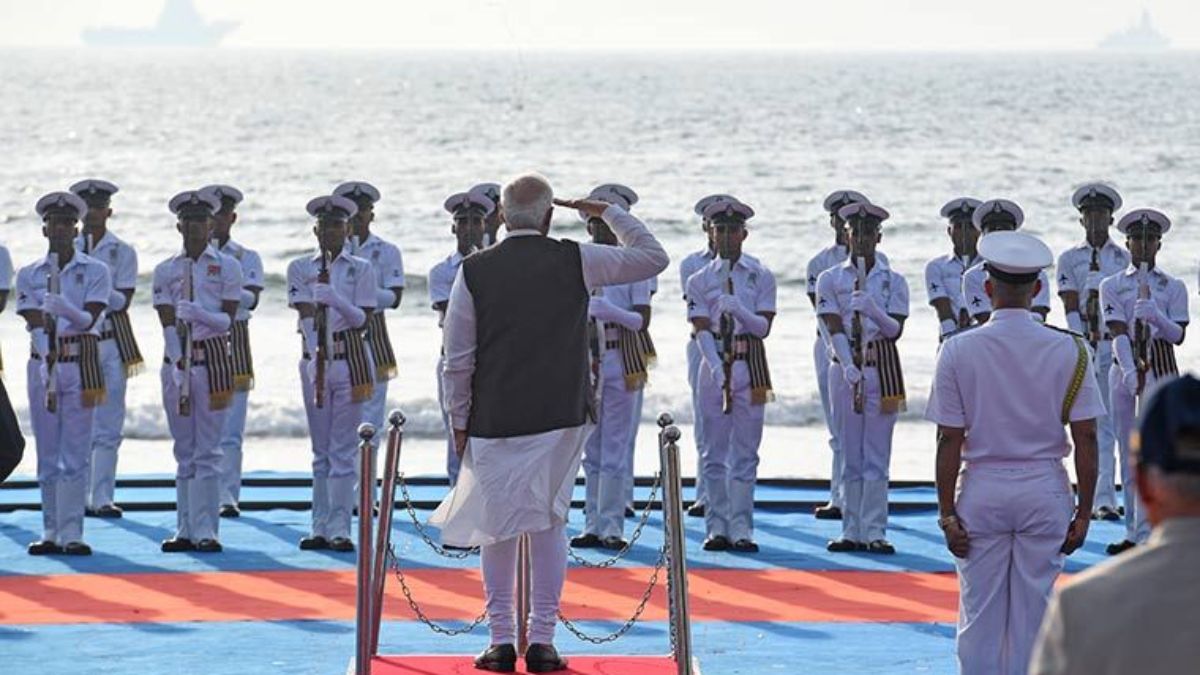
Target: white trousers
x=1016, y=519
x=730, y=455
x=197, y=453
x=453, y=462
x=64, y=440
x=1123, y=412
x=333, y=430
x=231, y=449
x=1106, y=488
x=108, y=429
x=695, y=362
x=608, y=453
x=821, y=368
x=548, y=563
x=865, y=440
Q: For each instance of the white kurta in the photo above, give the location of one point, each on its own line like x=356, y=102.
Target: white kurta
x=511, y=486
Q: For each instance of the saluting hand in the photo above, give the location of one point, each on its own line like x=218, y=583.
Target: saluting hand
x=957, y=540
x=1076, y=533
x=592, y=208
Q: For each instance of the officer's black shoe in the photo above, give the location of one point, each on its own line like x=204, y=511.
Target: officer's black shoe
x=614, y=543
x=77, y=548
x=208, y=546
x=827, y=512
x=178, y=545
x=586, y=540
x=696, y=510
x=881, y=547
x=844, y=546
x=498, y=659
x=1119, y=547
x=341, y=545
x=106, y=511
x=745, y=546
x=541, y=658
x=629, y=512
x=230, y=511
x=44, y=548
x=717, y=543
x=1106, y=513
x=314, y=543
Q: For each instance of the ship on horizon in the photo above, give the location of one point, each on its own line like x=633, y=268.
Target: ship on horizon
x=178, y=25
x=1139, y=37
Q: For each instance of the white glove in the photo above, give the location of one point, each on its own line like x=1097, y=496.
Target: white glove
x=385, y=298
x=246, y=299
x=59, y=306
x=325, y=295
x=600, y=308
x=1146, y=310
x=718, y=376
x=751, y=323
x=177, y=376
x=193, y=313
x=117, y=301
x=1075, y=323
x=841, y=347
x=310, y=370
x=1129, y=378
x=730, y=304
x=309, y=332
x=171, y=347
x=44, y=374
x=948, y=327
x=41, y=342
x=852, y=374
x=708, y=354
x=1093, y=281
x=861, y=301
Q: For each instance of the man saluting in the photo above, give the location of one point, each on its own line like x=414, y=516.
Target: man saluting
x=516, y=386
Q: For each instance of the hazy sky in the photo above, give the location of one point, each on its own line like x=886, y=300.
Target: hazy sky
x=626, y=24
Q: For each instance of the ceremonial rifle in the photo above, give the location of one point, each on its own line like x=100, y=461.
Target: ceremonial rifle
x=1093, y=303
x=1141, y=332
x=185, y=337
x=727, y=354
x=856, y=336
x=321, y=327
x=51, y=325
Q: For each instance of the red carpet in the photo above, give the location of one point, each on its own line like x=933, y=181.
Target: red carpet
x=578, y=665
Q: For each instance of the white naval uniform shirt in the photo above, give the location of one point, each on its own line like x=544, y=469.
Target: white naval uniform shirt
x=943, y=279
x=690, y=265
x=828, y=257
x=753, y=285
x=82, y=280
x=385, y=260
x=1075, y=262
x=122, y=262
x=6, y=270
x=252, y=271
x=1118, y=295
x=441, y=280
x=350, y=277
x=523, y=484
x=1005, y=383
x=216, y=278
x=889, y=290
x=976, y=297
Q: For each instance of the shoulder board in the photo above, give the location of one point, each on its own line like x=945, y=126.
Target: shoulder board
x=1063, y=330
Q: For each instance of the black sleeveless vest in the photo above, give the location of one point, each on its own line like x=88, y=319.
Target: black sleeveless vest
x=531, y=360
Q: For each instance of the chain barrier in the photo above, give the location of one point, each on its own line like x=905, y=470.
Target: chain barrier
x=637, y=533
x=629, y=623
x=412, y=514
x=394, y=561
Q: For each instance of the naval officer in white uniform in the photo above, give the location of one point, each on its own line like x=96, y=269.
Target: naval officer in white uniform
x=1003, y=396
x=521, y=412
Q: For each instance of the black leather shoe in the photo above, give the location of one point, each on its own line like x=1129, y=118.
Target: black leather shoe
x=586, y=540
x=44, y=548
x=614, y=543
x=696, y=510
x=844, y=546
x=77, y=548
x=498, y=659
x=881, y=547
x=178, y=545
x=745, y=546
x=341, y=545
x=827, y=512
x=230, y=511
x=543, y=659
x=314, y=543
x=1106, y=513
x=717, y=543
x=208, y=546
x=106, y=511
x=1117, y=548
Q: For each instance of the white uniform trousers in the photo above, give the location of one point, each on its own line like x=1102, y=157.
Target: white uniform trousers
x=1123, y=412
x=64, y=442
x=197, y=455
x=107, y=432
x=730, y=455
x=866, y=447
x=608, y=453
x=231, y=449
x=453, y=462
x=1106, y=488
x=1016, y=516
x=821, y=368
x=694, y=362
x=548, y=571
x=333, y=430
x=639, y=399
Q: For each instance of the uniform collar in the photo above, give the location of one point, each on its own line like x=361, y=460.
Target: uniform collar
x=230, y=246
x=75, y=260
x=524, y=232
x=1011, y=315
x=1110, y=244
x=1132, y=271
x=108, y=238
x=880, y=264
x=209, y=251
x=316, y=256
x=1177, y=530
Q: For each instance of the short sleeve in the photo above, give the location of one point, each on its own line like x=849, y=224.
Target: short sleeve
x=933, y=281
x=1177, y=303
x=6, y=270
x=231, y=280
x=364, y=288
x=298, y=289
x=1042, y=299
x=898, y=300
x=252, y=270
x=439, y=289
x=1066, y=282
x=696, y=304
x=161, y=286
x=813, y=274
x=827, y=293
x=26, y=298
x=765, y=302
x=684, y=272
x=394, y=275
x=639, y=293
x=945, y=405
x=1089, y=404
x=974, y=297
x=1109, y=302
x=99, y=284
x=124, y=278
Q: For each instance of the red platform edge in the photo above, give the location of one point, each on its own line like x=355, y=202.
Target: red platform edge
x=577, y=665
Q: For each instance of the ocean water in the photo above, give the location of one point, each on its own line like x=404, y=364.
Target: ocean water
x=777, y=130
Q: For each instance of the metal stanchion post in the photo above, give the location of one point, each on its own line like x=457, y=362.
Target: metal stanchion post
x=524, y=582
x=383, y=537
x=674, y=533
x=366, y=499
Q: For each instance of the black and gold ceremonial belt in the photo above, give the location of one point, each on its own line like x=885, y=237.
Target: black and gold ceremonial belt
x=127, y=346
x=381, y=347
x=243, y=363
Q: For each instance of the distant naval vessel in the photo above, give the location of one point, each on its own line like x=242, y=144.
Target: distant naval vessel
x=1140, y=37
x=178, y=25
